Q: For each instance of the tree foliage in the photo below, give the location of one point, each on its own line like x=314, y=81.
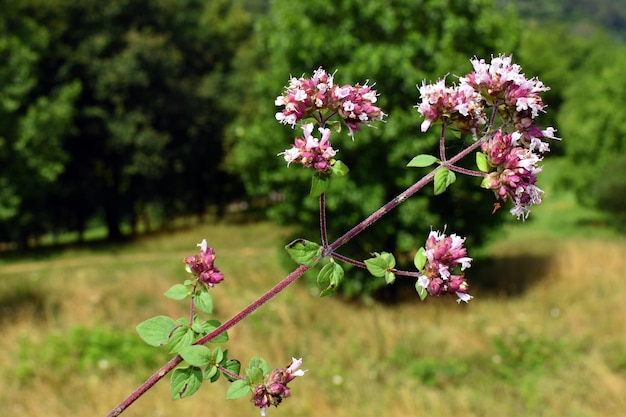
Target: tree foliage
x=396, y=45
x=592, y=118
x=112, y=107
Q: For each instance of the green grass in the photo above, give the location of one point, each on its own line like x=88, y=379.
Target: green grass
x=544, y=336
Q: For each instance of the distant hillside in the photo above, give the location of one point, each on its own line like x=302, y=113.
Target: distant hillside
x=585, y=14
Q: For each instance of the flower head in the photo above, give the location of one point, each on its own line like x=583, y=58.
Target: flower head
x=356, y=106
x=460, y=105
x=501, y=82
x=312, y=152
x=320, y=98
x=202, y=265
x=514, y=161
x=274, y=387
x=445, y=255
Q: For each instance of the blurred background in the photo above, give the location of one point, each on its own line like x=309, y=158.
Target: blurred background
x=132, y=129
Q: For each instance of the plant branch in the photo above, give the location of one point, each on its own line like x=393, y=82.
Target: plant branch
x=156, y=377
x=298, y=272
x=323, y=220
x=442, y=144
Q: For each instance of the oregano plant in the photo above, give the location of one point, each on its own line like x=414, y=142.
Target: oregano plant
x=495, y=105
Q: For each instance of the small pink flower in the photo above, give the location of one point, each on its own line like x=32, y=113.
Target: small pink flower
x=502, y=83
x=444, y=255
x=458, y=105
x=310, y=151
x=202, y=265
x=515, y=170
x=274, y=388
x=320, y=98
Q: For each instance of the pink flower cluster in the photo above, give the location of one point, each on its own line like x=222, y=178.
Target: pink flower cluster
x=310, y=151
x=513, y=154
x=202, y=265
x=515, y=170
x=274, y=389
x=321, y=99
x=502, y=82
x=460, y=105
x=499, y=84
x=444, y=254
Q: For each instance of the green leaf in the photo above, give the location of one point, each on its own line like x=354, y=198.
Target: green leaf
x=421, y=291
x=319, y=184
x=234, y=366
x=304, y=252
x=211, y=325
x=196, y=355
x=330, y=276
x=156, y=331
x=204, y=301
x=185, y=381
x=254, y=375
x=380, y=264
x=218, y=355
x=177, y=292
x=181, y=337
x=339, y=169
x=443, y=178
x=481, y=162
x=420, y=259
x=238, y=389
x=258, y=362
x=421, y=161
x=212, y=373
x=390, y=277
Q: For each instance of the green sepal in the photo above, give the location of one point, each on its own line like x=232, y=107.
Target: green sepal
x=304, y=252
x=390, y=277
x=421, y=161
x=196, y=355
x=420, y=259
x=339, y=169
x=443, y=178
x=156, y=330
x=238, y=389
x=204, y=301
x=421, y=291
x=177, y=292
x=319, y=183
x=330, y=276
x=185, y=382
x=334, y=125
x=485, y=183
x=481, y=162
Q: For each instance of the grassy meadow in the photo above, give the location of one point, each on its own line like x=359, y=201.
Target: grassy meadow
x=544, y=336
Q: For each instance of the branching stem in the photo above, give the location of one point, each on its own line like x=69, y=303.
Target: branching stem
x=327, y=250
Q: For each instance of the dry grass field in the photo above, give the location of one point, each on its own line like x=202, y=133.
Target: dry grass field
x=544, y=336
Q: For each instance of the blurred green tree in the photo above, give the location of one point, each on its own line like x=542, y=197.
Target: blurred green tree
x=124, y=107
x=395, y=44
x=592, y=119
x=30, y=161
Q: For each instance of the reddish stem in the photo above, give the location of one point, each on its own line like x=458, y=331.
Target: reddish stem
x=323, y=220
